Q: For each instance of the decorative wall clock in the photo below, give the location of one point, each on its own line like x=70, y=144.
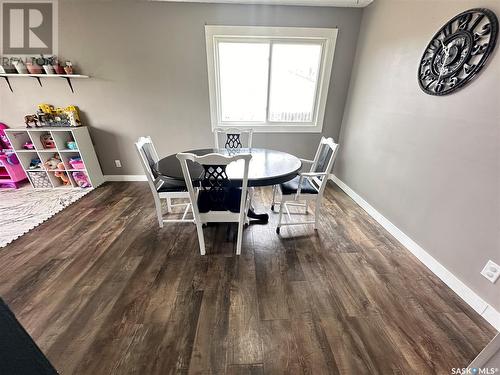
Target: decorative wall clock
x=458, y=51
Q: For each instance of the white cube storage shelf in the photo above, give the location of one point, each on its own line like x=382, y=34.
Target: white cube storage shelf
x=42, y=178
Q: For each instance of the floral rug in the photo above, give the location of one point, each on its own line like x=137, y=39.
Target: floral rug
x=23, y=209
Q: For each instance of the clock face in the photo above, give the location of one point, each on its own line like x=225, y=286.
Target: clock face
x=458, y=51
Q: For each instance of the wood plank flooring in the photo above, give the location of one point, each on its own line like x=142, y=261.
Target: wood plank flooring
x=103, y=290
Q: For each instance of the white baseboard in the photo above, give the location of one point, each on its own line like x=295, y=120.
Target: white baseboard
x=487, y=353
x=489, y=313
x=125, y=177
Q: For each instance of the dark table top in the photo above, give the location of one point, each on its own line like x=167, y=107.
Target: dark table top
x=267, y=167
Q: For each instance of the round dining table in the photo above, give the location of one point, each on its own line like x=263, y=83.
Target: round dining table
x=266, y=168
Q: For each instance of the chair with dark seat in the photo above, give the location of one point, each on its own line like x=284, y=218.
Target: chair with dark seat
x=214, y=198
x=307, y=186
x=233, y=138
x=161, y=187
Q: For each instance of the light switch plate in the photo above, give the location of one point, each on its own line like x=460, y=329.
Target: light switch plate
x=491, y=271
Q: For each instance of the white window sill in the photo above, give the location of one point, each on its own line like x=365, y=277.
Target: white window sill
x=292, y=128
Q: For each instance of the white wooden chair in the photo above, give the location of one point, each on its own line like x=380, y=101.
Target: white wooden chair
x=232, y=138
x=307, y=186
x=162, y=188
x=213, y=200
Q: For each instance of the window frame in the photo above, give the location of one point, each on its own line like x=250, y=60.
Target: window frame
x=262, y=34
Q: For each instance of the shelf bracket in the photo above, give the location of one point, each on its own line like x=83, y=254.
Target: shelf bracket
x=8, y=83
x=68, y=79
x=39, y=81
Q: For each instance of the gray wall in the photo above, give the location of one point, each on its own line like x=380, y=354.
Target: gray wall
x=431, y=165
x=149, y=66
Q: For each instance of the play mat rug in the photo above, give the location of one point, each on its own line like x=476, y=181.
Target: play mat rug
x=23, y=209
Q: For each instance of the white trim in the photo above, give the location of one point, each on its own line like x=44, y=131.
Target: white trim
x=125, y=177
x=489, y=313
x=322, y=3
x=487, y=353
x=326, y=37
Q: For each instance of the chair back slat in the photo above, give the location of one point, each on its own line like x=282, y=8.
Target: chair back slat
x=214, y=179
x=233, y=138
x=323, y=162
x=148, y=156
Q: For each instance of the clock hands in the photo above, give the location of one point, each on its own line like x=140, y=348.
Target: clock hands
x=446, y=55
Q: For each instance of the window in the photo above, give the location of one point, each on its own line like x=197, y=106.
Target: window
x=272, y=79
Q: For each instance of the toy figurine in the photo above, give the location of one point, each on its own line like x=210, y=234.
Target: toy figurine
x=35, y=163
x=53, y=162
x=50, y=116
x=64, y=178
x=46, y=108
x=31, y=119
x=47, y=141
x=29, y=145
x=68, y=68
x=71, y=145
x=73, y=116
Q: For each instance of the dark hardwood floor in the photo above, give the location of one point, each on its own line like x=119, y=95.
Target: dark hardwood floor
x=103, y=290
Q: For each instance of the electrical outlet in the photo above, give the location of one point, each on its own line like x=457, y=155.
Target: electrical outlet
x=118, y=163
x=491, y=271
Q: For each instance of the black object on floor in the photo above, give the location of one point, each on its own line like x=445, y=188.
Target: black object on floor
x=19, y=355
x=259, y=218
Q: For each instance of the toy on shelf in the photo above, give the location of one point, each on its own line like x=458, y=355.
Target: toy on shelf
x=7, y=69
x=20, y=67
x=63, y=177
x=49, y=69
x=34, y=68
x=76, y=163
x=81, y=179
x=35, y=163
x=68, y=68
x=47, y=141
x=30, y=120
x=71, y=145
x=60, y=117
x=4, y=141
x=58, y=68
x=29, y=145
x=53, y=163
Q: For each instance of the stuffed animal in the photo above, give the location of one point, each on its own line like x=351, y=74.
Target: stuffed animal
x=81, y=179
x=53, y=162
x=31, y=119
x=64, y=177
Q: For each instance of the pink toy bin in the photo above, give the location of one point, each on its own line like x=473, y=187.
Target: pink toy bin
x=77, y=164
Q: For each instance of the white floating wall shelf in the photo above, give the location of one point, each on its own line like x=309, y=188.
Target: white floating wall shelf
x=38, y=77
